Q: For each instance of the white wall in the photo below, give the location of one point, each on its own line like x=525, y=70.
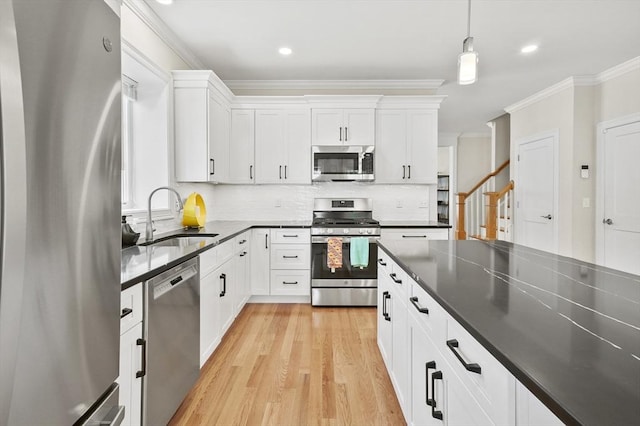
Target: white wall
x=474, y=160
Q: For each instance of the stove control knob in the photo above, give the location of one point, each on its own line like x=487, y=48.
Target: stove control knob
x=369, y=231
x=345, y=231
x=362, y=231
x=329, y=231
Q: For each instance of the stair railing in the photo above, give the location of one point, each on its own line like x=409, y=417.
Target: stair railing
x=471, y=206
x=498, y=223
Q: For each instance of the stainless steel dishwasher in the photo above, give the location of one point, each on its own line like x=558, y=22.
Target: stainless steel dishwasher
x=172, y=318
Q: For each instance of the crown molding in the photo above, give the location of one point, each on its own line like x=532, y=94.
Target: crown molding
x=618, y=70
x=543, y=94
x=142, y=10
x=333, y=84
x=474, y=135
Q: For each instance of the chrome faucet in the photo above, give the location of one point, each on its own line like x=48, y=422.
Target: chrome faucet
x=149, y=230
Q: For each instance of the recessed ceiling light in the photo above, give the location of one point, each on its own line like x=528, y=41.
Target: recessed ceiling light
x=285, y=51
x=530, y=48
x=165, y=2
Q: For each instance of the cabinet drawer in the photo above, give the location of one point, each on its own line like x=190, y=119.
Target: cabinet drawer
x=400, y=281
x=290, y=236
x=429, y=314
x=290, y=256
x=415, y=234
x=289, y=283
x=384, y=262
x=490, y=383
x=225, y=251
x=130, y=307
x=208, y=261
x=241, y=242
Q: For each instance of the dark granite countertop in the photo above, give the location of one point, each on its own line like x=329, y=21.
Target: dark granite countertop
x=568, y=330
x=413, y=224
x=139, y=263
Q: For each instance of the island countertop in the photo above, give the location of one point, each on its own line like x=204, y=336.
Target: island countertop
x=568, y=330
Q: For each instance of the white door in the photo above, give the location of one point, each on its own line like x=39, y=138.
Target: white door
x=327, y=127
x=297, y=147
x=536, y=193
x=269, y=149
x=242, y=145
x=621, y=221
x=422, y=146
x=359, y=127
x=391, y=147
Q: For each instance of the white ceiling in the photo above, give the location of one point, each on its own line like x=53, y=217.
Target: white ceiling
x=409, y=40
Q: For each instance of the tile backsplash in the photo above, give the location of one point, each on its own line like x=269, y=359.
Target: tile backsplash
x=295, y=202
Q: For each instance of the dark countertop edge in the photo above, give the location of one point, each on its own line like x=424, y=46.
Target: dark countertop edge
x=434, y=226
x=523, y=377
x=160, y=269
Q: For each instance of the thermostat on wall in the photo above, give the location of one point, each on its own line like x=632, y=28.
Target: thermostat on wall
x=584, y=171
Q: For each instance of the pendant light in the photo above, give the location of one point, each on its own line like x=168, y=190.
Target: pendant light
x=468, y=59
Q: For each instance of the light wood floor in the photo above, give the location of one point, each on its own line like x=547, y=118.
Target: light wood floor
x=292, y=364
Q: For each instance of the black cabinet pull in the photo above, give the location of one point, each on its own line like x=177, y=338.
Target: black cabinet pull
x=223, y=277
x=384, y=306
x=414, y=302
x=381, y=262
x=290, y=236
x=285, y=172
x=251, y=172
x=414, y=236
x=427, y=366
x=280, y=173
x=346, y=135
x=242, y=241
x=387, y=316
x=409, y=168
x=212, y=167
x=340, y=134
x=436, y=414
x=395, y=280
x=143, y=372
x=290, y=257
x=243, y=254
x=404, y=172
x=290, y=282
x=125, y=312
x=473, y=367
x=266, y=241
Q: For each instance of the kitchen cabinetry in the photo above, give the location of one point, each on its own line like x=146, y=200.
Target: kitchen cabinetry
x=283, y=146
x=260, y=261
x=202, y=119
x=397, y=234
x=350, y=126
x=241, y=147
x=242, y=270
x=132, y=346
x=290, y=262
x=443, y=198
x=406, y=146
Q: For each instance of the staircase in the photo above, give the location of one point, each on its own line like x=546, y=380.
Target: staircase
x=484, y=213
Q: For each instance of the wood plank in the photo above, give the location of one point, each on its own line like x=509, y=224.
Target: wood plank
x=293, y=364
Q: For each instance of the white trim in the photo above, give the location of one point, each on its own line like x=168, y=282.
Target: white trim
x=618, y=70
x=555, y=135
x=411, y=101
x=333, y=84
x=202, y=79
x=153, y=21
x=474, y=135
x=565, y=84
x=601, y=130
x=343, y=101
x=144, y=60
x=279, y=299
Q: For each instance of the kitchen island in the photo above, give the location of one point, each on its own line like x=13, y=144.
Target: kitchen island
x=567, y=330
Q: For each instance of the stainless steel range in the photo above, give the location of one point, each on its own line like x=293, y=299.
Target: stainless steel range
x=336, y=280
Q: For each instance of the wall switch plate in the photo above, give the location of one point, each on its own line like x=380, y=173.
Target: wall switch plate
x=399, y=204
x=278, y=202
x=423, y=205
x=586, y=202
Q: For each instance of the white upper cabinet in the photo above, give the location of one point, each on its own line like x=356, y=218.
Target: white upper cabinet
x=241, y=148
x=202, y=118
x=283, y=146
x=407, y=145
x=350, y=126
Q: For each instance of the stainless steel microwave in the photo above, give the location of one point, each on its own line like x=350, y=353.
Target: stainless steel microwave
x=342, y=163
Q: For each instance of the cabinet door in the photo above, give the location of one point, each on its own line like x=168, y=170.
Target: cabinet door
x=290, y=283
x=210, y=326
x=422, y=146
x=241, y=147
x=219, y=123
x=131, y=386
x=240, y=280
x=390, y=155
x=260, y=262
x=269, y=149
x=227, y=284
x=359, y=127
x=298, y=147
x=191, y=117
x=327, y=127
x=424, y=360
x=384, y=318
x=400, y=347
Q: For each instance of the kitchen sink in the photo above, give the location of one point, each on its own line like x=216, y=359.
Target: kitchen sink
x=182, y=241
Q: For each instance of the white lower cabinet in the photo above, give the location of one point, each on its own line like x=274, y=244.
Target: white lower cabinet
x=441, y=374
x=260, y=261
x=131, y=352
x=290, y=283
x=396, y=234
x=210, y=321
x=290, y=254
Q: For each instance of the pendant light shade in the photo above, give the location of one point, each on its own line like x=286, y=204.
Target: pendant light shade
x=468, y=59
x=467, y=63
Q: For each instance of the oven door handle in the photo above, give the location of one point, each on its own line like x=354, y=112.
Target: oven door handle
x=345, y=239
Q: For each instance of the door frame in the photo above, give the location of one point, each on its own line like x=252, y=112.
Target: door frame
x=555, y=136
x=601, y=131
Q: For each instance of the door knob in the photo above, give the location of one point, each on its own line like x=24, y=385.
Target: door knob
x=607, y=221
x=546, y=217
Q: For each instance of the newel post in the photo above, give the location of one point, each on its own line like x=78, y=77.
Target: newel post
x=492, y=215
x=461, y=233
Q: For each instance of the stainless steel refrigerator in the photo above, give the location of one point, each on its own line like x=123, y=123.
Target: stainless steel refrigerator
x=60, y=211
